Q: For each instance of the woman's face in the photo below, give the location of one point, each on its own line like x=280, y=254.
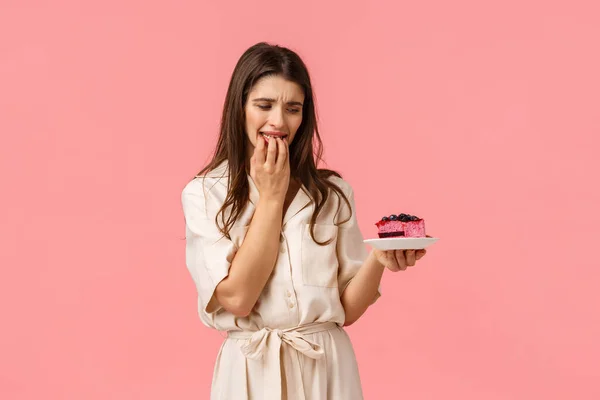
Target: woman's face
x=274, y=107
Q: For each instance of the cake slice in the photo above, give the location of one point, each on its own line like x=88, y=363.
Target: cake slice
x=403, y=225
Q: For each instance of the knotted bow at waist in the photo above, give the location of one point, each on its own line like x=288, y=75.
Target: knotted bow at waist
x=266, y=344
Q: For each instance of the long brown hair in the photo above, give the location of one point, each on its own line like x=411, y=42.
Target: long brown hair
x=306, y=151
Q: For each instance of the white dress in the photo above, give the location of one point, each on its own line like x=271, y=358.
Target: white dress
x=292, y=345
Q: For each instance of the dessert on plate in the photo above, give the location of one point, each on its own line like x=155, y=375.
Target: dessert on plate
x=402, y=225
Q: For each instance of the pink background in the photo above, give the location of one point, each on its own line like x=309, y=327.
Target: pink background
x=481, y=118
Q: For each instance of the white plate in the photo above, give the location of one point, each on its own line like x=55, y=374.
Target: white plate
x=401, y=243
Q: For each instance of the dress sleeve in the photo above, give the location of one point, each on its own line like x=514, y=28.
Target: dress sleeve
x=208, y=253
x=351, y=250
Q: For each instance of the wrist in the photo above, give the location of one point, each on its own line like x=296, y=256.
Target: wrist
x=373, y=260
x=270, y=202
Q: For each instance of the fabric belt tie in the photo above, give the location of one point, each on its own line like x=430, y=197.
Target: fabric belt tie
x=266, y=344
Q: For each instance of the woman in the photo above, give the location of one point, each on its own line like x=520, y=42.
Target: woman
x=273, y=243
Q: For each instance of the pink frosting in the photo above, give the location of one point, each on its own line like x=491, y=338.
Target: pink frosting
x=410, y=228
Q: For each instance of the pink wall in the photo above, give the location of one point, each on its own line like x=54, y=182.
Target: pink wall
x=482, y=119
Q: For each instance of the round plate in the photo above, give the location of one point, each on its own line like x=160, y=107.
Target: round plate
x=401, y=243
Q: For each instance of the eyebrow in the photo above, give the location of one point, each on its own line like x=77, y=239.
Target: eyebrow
x=269, y=100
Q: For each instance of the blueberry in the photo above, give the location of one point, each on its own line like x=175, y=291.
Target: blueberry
x=384, y=219
x=402, y=215
x=393, y=217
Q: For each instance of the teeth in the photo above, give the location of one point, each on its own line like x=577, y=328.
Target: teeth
x=271, y=137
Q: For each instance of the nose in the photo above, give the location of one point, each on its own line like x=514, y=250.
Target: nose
x=276, y=118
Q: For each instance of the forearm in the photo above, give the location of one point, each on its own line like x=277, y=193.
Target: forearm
x=362, y=290
x=254, y=260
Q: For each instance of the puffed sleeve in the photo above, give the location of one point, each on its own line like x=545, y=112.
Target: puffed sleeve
x=208, y=253
x=351, y=250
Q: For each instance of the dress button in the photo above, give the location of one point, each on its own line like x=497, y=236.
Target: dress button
x=282, y=249
x=288, y=293
x=291, y=305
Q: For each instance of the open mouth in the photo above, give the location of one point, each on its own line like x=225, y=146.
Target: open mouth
x=269, y=136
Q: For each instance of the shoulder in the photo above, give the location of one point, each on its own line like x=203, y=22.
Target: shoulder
x=214, y=180
x=344, y=206
x=205, y=191
x=343, y=184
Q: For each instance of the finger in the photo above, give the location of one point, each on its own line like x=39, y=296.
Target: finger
x=420, y=254
x=287, y=153
x=271, y=152
x=410, y=258
x=387, y=261
x=282, y=155
x=399, y=255
x=391, y=262
x=259, y=150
